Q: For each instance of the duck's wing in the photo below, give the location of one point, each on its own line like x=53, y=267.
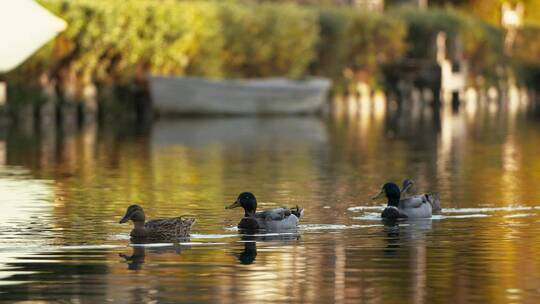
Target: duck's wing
x=415, y=201
x=159, y=223
x=174, y=226
x=276, y=214
x=434, y=200
x=419, y=199
x=289, y=222
x=297, y=211
x=424, y=211
x=279, y=214
x=169, y=222
x=418, y=206
x=279, y=218
x=408, y=187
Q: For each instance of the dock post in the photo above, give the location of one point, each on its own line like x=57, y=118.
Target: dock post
x=3, y=93
x=455, y=101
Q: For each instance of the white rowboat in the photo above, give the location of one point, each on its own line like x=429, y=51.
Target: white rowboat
x=191, y=95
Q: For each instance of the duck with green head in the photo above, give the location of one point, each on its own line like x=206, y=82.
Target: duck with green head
x=272, y=219
x=412, y=206
x=159, y=229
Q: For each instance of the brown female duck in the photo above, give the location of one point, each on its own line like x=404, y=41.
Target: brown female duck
x=159, y=229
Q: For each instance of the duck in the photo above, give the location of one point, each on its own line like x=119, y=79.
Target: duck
x=271, y=220
x=172, y=228
x=412, y=206
x=409, y=191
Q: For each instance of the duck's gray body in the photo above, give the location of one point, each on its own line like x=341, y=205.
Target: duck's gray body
x=278, y=218
x=419, y=206
x=273, y=219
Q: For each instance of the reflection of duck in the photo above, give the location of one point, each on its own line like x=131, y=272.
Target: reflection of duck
x=414, y=206
x=396, y=236
x=248, y=255
x=136, y=259
x=272, y=219
x=158, y=229
x=392, y=232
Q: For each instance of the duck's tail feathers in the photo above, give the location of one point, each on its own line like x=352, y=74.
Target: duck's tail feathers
x=297, y=211
x=189, y=220
x=435, y=201
x=183, y=228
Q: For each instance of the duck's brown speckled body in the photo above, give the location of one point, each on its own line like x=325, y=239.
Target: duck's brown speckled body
x=159, y=229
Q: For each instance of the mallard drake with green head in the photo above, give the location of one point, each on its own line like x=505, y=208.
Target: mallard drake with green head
x=272, y=219
x=413, y=206
x=159, y=229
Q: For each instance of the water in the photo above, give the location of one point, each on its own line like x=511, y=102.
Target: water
x=63, y=194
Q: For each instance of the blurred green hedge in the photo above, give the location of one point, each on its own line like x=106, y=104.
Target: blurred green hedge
x=115, y=42
x=109, y=41
x=267, y=40
x=357, y=42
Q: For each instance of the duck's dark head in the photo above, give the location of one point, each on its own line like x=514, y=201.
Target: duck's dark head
x=134, y=213
x=247, y=201
x=391, y=192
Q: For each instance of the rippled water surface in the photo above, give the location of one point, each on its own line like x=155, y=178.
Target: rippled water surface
x=63, y=193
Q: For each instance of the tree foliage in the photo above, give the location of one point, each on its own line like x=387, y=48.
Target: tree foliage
x=107, y=41
x=358, y=41
x=114, y=42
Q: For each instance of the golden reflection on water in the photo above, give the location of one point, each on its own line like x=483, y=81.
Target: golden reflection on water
x=76, y=185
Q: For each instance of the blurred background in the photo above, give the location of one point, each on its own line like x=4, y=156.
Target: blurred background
x=98, y=66
x=443, y=92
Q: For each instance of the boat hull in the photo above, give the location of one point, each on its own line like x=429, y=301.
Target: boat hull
x=190, y=95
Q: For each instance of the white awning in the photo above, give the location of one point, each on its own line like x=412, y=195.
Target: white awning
x=25, y=26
